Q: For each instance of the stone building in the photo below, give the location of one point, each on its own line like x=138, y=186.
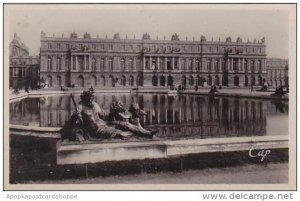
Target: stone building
x=87, y=61
x=277, y=72
x=23, y=68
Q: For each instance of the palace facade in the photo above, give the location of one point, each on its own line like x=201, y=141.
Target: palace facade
x=99, y=62
x=277, y=72
x=23, y=68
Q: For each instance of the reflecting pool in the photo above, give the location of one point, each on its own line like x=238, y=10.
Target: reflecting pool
x=182, y=116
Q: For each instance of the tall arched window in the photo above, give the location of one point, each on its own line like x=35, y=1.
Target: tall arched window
x=101, y=64
x=122, y=64
x=131, y=80
x=58, y=64
x=110, y=64
x=59, y=81
x=209, y=65
x=93, y=64
x=94, y=81
x=130, y=64
x=197, y=65
x=123, y=80
x=49, y=64
x=252, y=66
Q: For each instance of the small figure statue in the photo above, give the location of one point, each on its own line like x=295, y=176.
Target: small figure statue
x=129, y=120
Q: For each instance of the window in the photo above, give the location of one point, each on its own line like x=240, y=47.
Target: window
x=67, y=46
x=102, y=46
x=130, y=64
x=58, y=64
x=122, y=64
x=102, y=64
x=93, y=64
x=110, y=64
x=80, y=46
x=209, y=65
x=259, y=66
x=49, y=64
x=58, y=45
x=49, y=46
x=123, y=47
x=197, y=65
x=110, y=47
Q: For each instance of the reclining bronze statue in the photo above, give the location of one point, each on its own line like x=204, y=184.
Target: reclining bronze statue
x=90, y=121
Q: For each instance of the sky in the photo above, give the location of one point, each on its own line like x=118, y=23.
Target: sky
x=187, y=21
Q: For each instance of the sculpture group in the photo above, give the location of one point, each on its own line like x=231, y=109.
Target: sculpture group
x=89, y=121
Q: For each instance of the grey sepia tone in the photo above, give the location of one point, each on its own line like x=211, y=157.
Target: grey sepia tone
x=149, y=97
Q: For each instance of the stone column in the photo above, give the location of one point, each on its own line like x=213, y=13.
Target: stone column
x=134, y=64
x=90, y=65
x=71, y=63
x=239, y=66
x=165, y=67
x=144, y=61
x=157, y=63
x=243, y=65
x=158, y=116
x=150, y=63
x=179, y=63
x=76, y=63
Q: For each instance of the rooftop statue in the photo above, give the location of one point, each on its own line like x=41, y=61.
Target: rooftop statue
x=146, y=36
x=73, y=35
x=116, y=36
x=203, y=38
x=239, y=40
x=175, y=37
x=228, y=39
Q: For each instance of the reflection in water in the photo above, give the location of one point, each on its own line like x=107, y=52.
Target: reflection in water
x=175, y=116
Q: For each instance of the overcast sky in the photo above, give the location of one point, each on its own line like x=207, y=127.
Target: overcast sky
x=190, y=21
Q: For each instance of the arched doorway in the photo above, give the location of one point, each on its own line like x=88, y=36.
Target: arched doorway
x=246, y=80
x=154, y=80
x=80, y=81
x=198, y=80
x=139, y=79
x=252, y=80
x=58, y=81
x=183, y=80
x=123, y=80
x=217, y=80
x=236, y=80
x=49, y=79
x=102, y=80
x=131, y=80
x=260, y=81
x=94, y=81
x=162, y=80
x=209, y=80
x=170, y=80
x=111, y=81
x=191, y=80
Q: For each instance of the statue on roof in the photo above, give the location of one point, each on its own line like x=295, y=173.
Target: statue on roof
x=239, y=40
x=116, y=36
x=203, y=38
x=175, y=37
x=263, y=40
x=228, y=39
x=146, y=36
